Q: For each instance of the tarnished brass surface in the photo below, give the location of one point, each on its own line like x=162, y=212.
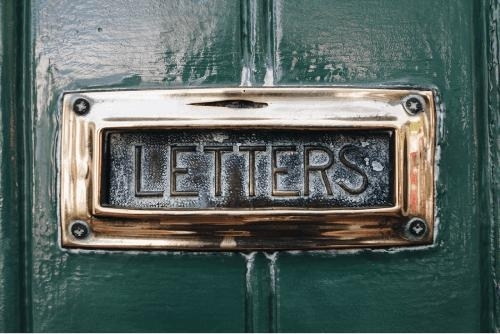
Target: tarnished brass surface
x=84, y=177
x=247, y=169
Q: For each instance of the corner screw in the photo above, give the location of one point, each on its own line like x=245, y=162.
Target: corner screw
x=413, y=104
x=81, y=106
x=416, y=229
x=79, y=229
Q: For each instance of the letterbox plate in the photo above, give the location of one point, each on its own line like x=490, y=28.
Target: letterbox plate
x=247, y=168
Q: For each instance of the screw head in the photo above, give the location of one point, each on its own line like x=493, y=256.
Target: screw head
x=413, y=104
x=416, y=229
x=81, y=106
x=79, y=229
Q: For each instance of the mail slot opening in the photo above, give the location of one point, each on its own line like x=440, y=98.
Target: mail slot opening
x=247, y=169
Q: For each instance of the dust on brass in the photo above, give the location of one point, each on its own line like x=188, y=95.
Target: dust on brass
x=248, y=169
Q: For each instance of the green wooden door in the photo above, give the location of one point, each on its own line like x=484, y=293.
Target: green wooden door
x=52, y=46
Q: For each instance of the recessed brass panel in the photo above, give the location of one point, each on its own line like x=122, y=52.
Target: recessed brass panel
x=240, y=168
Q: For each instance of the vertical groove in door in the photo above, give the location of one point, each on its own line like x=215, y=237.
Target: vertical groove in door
x=258, y=41
x=11, y=306
x=260, y=306
x=487, y=87
x=493, y=137
x=272, y=32
x=15, y=298
x=273, y=35
x=480, y=98
x=24, y=147
x=269, y=40
x=273, y=295
x=248, y=38
x=249, y=291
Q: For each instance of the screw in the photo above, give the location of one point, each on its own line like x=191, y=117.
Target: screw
x=79, y=229
x=81, y=106
x=413, y=104
x=416, y=229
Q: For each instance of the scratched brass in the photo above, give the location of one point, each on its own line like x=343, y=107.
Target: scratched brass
x=239, y=168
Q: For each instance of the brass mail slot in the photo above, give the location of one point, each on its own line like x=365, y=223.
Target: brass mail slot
x=247, y=168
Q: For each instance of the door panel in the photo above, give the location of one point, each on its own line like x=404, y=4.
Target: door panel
x=126, y=44
x=51, y=47
x=139, y=292
x=374, y=292
x=390, y=43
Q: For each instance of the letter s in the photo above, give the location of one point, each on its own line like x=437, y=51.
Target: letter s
x=347, y=163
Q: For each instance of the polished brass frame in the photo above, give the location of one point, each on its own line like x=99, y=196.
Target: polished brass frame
x=287, y=108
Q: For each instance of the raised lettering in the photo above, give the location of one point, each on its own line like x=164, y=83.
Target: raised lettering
x=347, y=163
x=138, y=176
x=251, y=165
x=175, y=170
x=280, y=170
x=218, y=151
x=321, y=168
